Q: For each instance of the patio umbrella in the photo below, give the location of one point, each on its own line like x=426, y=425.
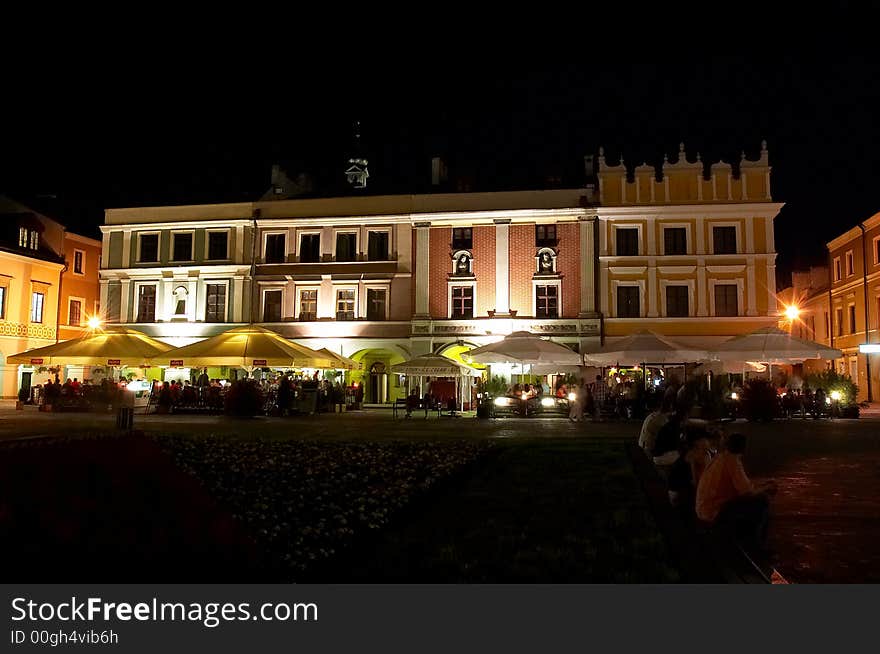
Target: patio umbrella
x=339, y=362
x=774, y=346
x=434, y=365
x=645, y=346
x=113, y=346
x=245, y=347
x=526, y=349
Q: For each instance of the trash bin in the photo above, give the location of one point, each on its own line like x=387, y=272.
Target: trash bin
x=125, y=411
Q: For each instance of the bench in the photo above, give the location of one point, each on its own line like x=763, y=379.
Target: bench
x=702, y=556
x=401, y=402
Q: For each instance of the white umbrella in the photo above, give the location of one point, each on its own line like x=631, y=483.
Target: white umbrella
x=526, y=349
x=434, y=365
x=773, y=346
x=646, y=347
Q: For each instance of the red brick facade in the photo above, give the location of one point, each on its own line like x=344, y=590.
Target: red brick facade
x=568, y=265
x=484, y=269
x=439, y=269
x=522, y=268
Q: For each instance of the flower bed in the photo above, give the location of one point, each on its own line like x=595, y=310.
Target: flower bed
x=305, y=501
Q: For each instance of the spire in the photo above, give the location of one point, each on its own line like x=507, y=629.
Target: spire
x=357, y=174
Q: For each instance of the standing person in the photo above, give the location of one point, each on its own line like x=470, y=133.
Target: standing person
x=727, y=498
x=576, y=406
x=283, y=395
x=600, y=393
x=203, y=381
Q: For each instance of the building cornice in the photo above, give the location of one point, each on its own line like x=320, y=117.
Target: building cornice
x=703, y=209
x=183, y=224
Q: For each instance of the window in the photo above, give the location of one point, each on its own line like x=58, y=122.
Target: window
x=545, y=236
x=346, y=247
x=838, y=316
x=181, y=247
x=28, y=238
x=462, y=238
x=627, y=242
x=628, y=302
x=812, y=325
x=218, y=245
x=377, y=246
x=148, y=247
x=275, y=249
x=37, y=307
x=22, y=237
x=2, y=302
x=310, y=248
x=677, y=301
x=272, y=306
x=308, y=304
x=850, y=268
x=215, y=302
x=724, y=240
x=726, y=301
x=345, y=304
x=852, y=319
x=74, y=312
x=462, y=302
x=376, y=303
x=877, y=250
x=674, y=240
x=827, y=327
x=35, y=240
x=837, y=275
x=547, y=301
x=146, y=311
x=78, y=257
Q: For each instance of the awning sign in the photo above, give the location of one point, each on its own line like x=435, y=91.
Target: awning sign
x=177, y=363
x=113, y=362
x=259, y=362
x=36, y=362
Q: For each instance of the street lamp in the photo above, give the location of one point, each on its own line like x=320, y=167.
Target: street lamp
x=94, y=322
x=792, y=312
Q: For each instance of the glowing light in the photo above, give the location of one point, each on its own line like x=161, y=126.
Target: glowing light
x=734, y=396
x=572, y=397
x=827, y=400
x=548, y=401
x=792, y=312
x=613, y=371
x=836, y=396
x=869, y=348
x=94, y=322
x=525, y=396
x=503, y=401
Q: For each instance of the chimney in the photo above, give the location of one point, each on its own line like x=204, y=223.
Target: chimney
x=438, y=171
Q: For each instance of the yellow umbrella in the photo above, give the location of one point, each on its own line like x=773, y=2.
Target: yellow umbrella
x=114, y=346
x=246, y=347
x=340, y=362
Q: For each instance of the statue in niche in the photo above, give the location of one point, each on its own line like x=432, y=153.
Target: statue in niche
x=180, y=294
x=463, y=264
x=545, y=263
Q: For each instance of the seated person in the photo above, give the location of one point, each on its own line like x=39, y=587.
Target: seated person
x=655, y=420
x=668, y=443
x=728, y=500
x=686, y=472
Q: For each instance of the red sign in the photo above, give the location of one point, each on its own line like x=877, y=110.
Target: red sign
x=36, y=362
x=259, y=362
x=112, y=362
x=177, y=363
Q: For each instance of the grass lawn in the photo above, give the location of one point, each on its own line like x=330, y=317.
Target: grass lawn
x=537, y=512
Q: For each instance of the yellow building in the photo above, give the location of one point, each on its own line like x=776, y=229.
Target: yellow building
x=31, y=266
x=686, y=249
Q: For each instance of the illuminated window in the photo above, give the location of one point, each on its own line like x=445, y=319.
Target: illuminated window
x=35, y=240
x=345, y=304
x=37, y=300
x=22, y=237
x=308, y=304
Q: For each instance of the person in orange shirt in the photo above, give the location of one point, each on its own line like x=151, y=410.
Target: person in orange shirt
x=727, y=498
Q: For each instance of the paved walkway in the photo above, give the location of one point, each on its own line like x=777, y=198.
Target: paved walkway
x=826, y=517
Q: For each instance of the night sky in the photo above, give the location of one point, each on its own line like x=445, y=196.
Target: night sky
x=97, y=143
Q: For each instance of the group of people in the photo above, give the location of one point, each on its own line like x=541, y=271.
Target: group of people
x=284, y=391
x=705, y=475
x=74, y=393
